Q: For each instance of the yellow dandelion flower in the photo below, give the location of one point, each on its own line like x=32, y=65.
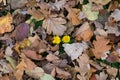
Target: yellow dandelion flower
x=66, y=39
x=56, y=40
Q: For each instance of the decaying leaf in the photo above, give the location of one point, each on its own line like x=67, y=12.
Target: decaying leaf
x=112, y=71
x=100, y=47
x=32, y=54
x=46, y=76
x=73, y=15
x=91, y=15
x=35, y=73
x=55, y=25
x=113, y=57
x=5, y=23
x=116, y=15
x=84, y=65
x=62, y=74
x=75, y=50
x=102, y=2
x=22, y=31
x=101, y=76
x=20, y=70
x=5, y=67
x=51, y=57
x=18, y=4
x=84, y=32
x=37, y=44
x=37, y=14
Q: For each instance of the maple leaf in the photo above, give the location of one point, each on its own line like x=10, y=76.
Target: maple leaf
x=73, y=15
x=100, y=47
x=5, y=23
x=54, y=25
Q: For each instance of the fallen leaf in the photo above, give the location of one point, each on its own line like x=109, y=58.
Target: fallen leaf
x=84, y=66
x=22, y=31
x=73, y=15
x=8, y=51
x=58, y=4
x=36, y=73
x=101, y=76
x=74, y=50
x=36, y=14
x=62, y=74
x=5, y=77
x=46, y=76
x=55, y=25
x=113, y=57
x=20, y=70
x=11, y=61
x=32, y=54
x=102, y=2
x=112, y=71
x=51, y=57
x=100, y=47
x=116, y=15
x=5, y=67
x=91, y=15
x=84, y=32
x=5, y=23
x=18, y=4
x=113, y=5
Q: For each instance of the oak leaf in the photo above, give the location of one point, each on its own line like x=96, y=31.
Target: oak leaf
x=100, y=47
x=73, y=15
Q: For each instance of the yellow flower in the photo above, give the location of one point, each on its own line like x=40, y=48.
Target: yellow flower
x=66, y=39
x=56, y=40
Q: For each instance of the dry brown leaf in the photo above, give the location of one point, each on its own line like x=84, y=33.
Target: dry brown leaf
x=37, y=44
x=20, y=70
x=62, y=74
x=73, y=15
x=113, y=57
x=113, y=5
x=5, y=77
x=101, y=76
x=84, y=32
x=102, y=2
x=5, y=23
x=55, y=25
x=100, y=47
x=84, y=66
x=37, y=14
x=51, y=57
x=32, y=54
x=112, y=71
x=18, y=4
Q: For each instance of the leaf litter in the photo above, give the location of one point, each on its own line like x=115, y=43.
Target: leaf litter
x=59, y=40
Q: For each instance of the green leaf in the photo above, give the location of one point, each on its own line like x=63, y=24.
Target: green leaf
x=37, y=23
x=46, y=77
